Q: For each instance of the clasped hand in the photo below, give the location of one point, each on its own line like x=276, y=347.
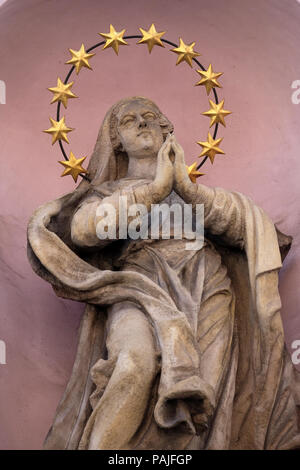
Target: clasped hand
x=172, y=174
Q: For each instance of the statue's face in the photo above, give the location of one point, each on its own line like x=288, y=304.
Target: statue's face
x=139, y=130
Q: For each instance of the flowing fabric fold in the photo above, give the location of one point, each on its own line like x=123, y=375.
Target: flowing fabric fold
x=75, y=279
x=263, y=362
x=258, y=372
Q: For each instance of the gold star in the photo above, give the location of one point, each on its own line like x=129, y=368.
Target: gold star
x=216, y=113
x=114, y=39
x=185, y=52
x=209, y=79
x=210, y=148
x=62, y=92
x=151, y=37
x=73, y=166
x=193, y=173
x=80, y=59
x=58, y=130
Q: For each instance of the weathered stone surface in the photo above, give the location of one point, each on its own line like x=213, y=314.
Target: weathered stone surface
x=178, y=349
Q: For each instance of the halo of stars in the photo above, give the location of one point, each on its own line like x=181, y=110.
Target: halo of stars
x=114, y=39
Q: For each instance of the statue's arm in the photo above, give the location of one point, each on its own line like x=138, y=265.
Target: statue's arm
x=224, y=214
x=83, y=228
x=95, y=210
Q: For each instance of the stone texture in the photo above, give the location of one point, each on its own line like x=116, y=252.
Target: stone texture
x=40, y=329
x=178, y=348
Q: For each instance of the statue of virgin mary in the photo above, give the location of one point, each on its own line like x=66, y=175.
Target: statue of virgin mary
x=178, y=349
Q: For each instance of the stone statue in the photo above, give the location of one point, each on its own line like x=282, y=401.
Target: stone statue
x=178, y=349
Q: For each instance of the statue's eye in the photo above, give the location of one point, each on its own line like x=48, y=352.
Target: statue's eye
x=149, y=116
x=127, y=120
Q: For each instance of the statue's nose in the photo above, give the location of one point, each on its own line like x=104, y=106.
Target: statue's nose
x=142, y=122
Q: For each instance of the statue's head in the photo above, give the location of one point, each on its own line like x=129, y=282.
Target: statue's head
x=133, y=127
x=138, y=127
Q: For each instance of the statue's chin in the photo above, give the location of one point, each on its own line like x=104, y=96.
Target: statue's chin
x=148, y=150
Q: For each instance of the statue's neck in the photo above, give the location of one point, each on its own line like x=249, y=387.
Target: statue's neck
x=142, y=167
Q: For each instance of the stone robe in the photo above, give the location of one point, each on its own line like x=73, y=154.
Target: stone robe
x=215, y=318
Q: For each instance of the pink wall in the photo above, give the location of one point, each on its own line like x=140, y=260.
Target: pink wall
x=255, y=44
